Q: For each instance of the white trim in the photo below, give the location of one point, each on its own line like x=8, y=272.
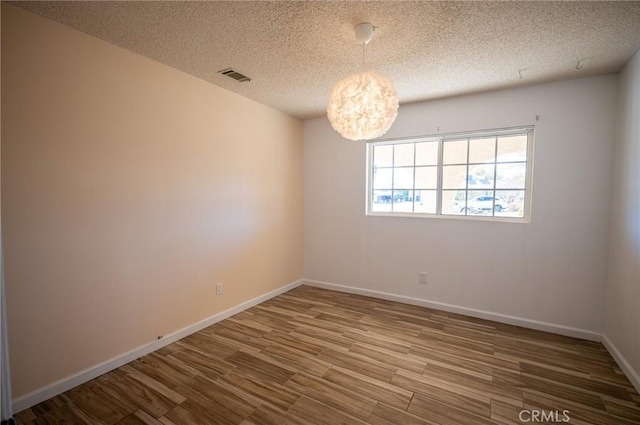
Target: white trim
x=93, y=372
x=622, y=362
x=481, y=314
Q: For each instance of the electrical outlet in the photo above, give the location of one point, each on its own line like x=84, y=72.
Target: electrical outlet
x=219, y=288
x=422, y=278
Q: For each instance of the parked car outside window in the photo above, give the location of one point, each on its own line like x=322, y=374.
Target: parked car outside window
x=486, y=203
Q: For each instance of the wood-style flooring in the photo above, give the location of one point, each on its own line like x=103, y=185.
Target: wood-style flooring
x=318, y=357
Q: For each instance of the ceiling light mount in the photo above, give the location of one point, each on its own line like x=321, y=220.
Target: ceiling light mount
x=364, y=32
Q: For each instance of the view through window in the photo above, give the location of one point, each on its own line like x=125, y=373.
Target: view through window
x=483, y=174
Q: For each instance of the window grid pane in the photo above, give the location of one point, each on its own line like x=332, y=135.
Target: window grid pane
x=403, y=178
x=425, y=201
x=427, y=153
x=426, y=177
x=403, y=154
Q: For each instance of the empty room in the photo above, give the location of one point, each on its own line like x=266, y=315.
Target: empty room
x=320, y=213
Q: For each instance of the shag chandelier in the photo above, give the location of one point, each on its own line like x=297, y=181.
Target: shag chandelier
x=363, y=106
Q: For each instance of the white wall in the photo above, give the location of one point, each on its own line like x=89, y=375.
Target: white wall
x=623, y=285
x=551, y=270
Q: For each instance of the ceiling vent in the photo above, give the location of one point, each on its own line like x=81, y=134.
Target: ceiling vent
x=235, y=75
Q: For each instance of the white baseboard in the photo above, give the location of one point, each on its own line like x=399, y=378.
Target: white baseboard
x=622, y=362
x=481, y=314
x=93, y=372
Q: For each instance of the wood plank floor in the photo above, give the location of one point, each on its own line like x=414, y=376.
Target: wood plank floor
x=317, y=357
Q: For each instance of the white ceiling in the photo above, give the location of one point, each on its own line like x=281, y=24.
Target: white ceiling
x=294, y=51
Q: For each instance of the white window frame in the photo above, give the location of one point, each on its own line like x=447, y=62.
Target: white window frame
x=529, y=130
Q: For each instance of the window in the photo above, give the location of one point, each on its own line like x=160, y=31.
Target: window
x=484, y=175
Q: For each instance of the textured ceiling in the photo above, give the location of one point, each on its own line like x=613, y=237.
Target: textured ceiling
x=294, y=51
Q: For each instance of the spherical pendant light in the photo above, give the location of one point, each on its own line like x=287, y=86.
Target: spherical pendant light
x=363, y=106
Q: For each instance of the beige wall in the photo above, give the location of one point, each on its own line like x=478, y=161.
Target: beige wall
x=128, y=190
x=623, y=285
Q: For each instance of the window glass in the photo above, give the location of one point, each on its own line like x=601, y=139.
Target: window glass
x=511, y=176
x=426, y=178
x=403, y=178
x=383, y=156
x=403, y=154
x=512, y=148
x=455, y=152
x=482, y=150
x=382, y=178
x=454, y=176
x=425, y=201
x=427, y=153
